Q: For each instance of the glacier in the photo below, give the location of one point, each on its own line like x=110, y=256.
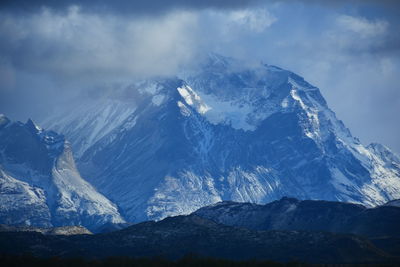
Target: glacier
x=221, y=131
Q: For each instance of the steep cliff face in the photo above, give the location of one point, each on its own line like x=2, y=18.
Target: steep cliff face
x=39, y=182
x=224, y=131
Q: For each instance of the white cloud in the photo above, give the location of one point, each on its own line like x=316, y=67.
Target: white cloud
x=362, y=26
x=76, y=44
x=256, y=20
x=387, y=66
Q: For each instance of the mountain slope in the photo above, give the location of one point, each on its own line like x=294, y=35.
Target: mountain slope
x=39, y=182
x=307, y=215
x=187, y=235
x=223, y=131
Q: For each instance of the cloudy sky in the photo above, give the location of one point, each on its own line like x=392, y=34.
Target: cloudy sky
x=349, y=49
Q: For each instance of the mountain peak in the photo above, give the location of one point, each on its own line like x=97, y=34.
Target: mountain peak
x=223, y=131
x=32, y=126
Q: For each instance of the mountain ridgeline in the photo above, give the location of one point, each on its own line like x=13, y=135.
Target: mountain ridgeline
x=291, y=214
x=284, y=230
x=221, y=131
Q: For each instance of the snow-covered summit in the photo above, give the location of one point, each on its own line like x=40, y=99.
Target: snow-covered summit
x=222, y=131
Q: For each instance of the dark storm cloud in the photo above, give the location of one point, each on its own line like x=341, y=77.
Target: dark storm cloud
x=154, y=7
x=126, y=7
x=337, y=2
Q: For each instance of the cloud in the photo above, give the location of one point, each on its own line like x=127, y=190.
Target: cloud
x=47, y=56
x=363, y=26
x=149, y=7
x=387, y=4
x=79, y=48
x=77, y=45
x=256, y=20
x=7, y=77
x=155, y=7
x=355, y=34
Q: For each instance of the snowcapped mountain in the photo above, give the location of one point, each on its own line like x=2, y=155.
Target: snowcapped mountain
x=222, y=131
x=40, y=185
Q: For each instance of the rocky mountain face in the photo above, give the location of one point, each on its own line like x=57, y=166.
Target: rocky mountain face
x=307, y=215
x=39, y=182
x=223, y=131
